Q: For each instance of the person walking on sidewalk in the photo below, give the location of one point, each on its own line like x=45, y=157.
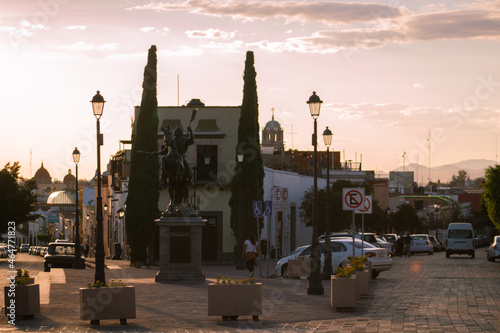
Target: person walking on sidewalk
x=250, y=252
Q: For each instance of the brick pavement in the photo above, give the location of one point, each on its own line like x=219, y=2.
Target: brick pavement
x=420, y=294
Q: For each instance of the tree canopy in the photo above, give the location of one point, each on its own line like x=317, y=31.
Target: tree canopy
x=250, y=170
x=405, y=219
x=143, y=195
x=15, y=196
x=491, y=196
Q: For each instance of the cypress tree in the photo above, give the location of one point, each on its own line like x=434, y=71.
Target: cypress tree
x=143, y=195
x=251, y=169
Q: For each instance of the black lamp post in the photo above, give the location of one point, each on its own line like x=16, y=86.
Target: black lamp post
x=78, y=248
x=327, y=270
x=239, y=259
x=315, y=287
x=436, y=216
x=98, y=107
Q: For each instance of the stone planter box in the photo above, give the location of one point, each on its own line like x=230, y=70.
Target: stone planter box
x=107, y=303
x=299, y=268
x=343, y=292
x=233, y=300
x=362, y=280
x=26, y=301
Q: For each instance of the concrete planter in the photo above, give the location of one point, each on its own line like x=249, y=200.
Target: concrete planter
x=233, y=300
x=107, y=303
x=22, y=301
x=362, y=280
x=343, y=292
x=299, y=268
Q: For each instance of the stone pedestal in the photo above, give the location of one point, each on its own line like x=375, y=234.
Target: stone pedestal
x=180, y=249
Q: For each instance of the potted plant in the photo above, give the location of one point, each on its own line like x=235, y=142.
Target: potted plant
x=231, y=299
x=102, y=301
x=362, y=276
x=343, y=288
x=21, y=296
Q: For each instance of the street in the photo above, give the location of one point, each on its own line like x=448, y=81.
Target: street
x=421, y=293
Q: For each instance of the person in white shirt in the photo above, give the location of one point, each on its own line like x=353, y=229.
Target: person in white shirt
x=250, y=252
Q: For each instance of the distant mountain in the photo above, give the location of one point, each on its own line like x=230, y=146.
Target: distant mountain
x=475, y=169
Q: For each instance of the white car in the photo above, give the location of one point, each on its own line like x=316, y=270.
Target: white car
x=341, y=249
x=421, y=243
x=494, y=249
x=382, y=242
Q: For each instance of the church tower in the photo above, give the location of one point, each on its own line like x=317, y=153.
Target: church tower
x=272, y=137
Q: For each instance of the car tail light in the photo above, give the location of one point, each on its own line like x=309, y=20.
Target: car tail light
x=495, y=247
x=370, y=254
x=427, y=243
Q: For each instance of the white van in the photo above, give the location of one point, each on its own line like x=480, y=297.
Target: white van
x=459, y=239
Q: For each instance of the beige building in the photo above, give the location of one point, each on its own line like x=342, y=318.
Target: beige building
x=212, y=157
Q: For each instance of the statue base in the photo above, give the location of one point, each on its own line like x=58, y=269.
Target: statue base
x=180, y=249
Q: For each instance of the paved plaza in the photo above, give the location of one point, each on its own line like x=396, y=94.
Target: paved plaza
x=421, y=293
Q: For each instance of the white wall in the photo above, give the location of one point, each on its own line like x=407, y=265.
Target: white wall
x=296, y=185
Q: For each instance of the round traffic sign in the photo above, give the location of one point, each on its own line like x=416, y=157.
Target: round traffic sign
x=353, y=199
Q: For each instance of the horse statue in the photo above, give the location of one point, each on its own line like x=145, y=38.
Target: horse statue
x=173, y=173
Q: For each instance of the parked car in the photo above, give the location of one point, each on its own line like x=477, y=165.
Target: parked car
x=436, y=245
x=341, y=250
x=494, y=249
x=60, y=255
x=24, y=248
x=391, y=238
x=382, y=242
x=367, y=237
x=420, y=243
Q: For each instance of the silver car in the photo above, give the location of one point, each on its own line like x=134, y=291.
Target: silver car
x=420, y=243
x=494, y=249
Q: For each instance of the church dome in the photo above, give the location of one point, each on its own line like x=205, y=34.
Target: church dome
x=273, y=125
x=42, y=176
x=60, y=198
x=69, y=178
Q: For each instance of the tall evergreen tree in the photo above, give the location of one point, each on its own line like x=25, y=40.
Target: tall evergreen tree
x=143, y=191
x=251, y=169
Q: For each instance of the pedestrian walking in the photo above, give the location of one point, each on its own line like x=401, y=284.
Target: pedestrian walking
x=250, y=252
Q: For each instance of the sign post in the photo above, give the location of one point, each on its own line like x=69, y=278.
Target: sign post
x=258, y=212
x=353, y=199
x=366, y=209
x=268, y=211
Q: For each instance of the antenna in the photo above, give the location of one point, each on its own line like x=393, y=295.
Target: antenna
x=417, y=167
x=178, y=90
x=404, y=159
x=429, y=140
x=292, y=132
x=31, y=160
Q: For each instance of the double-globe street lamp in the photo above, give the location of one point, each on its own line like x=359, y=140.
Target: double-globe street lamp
x=78, y=250
x=239, y=259
x=315, y=287
x=98, y=107
x=327, y=270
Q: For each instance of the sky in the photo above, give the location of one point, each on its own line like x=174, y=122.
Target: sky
x=419, y=79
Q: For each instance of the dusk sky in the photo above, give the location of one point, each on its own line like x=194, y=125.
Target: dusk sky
x=388, y=72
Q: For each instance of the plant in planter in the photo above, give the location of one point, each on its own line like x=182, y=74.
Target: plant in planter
x=21, y=296
x=230, y=299
x=102, y=301
x=362, y=275
x=343, y=288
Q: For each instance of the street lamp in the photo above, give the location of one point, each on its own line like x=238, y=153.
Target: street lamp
x=436, y=217
x=98, y=107
x=239, y=260
x=327, y=270
x=315, y=287
x=78, y=251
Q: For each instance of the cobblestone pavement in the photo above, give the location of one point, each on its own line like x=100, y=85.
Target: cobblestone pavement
x=421, y=293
